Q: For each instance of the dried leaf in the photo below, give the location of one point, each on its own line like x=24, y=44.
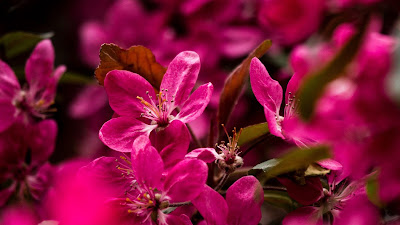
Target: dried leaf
x=235, y=83
x=137, y=59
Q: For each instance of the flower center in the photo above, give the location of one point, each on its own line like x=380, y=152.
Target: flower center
x=31, y=106
x=292, y=105
x=230, y=151
x=159, y=110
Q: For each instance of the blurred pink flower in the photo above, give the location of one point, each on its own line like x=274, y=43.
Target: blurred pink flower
x=291, y=21
x=28, y=103
x=24, y=151
x=131, y=97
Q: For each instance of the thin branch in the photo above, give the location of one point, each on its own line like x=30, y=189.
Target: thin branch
x=179, y=204
x=222, y=181
x=195, y=139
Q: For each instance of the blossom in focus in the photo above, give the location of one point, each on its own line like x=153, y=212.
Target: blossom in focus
x=24, y=151
x=246, y=193
x=30, y=102
x=134, y=101
x=291, y=21
x=151, y=193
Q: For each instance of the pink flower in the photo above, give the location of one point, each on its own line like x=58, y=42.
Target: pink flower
x=24, y=151
x=269, y=94
x=151, y=193
x=242, y=205
x=291, y=21
x=132, y=97
x=327, y=203
x=32, y=102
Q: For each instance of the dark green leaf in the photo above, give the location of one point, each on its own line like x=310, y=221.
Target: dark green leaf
x=314, y=83
x=235, y=83
x=253, y=132
x=17, y=43
x=280, y=199
x=294, y=160
x=75, y=78
x=373, y=190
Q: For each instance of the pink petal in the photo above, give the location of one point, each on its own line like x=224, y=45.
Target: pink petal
x=208, y=155
x=212, y=206
x=147, y=164
x=186, y=180
x=43, y=138
x=303, y=216
x=195, y=105
x=181, y=76
x=39, y=66
x=240, y=40
x=306, y=194
x=119, y=133
x=267, y=91
x=172, y=143
x=245, y=193
x=92, y=35
x=88, y=102
x=330, y=164
x=104, y=172
x=293, y=85
x=273, y=126
x=123, y=88
x=9, y=84
x=172, y=219
x=7, y=114
x=359, y=211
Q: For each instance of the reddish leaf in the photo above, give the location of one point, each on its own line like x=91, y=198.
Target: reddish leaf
x=137, y=59
x=235, y=83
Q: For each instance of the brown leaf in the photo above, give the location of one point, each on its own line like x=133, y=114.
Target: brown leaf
x=235, y=83
x=137, y=59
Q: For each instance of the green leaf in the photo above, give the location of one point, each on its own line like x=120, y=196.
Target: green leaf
x=315, y=83
x=280, y=199
x=234, y=84
x=75, y=78
x=16, y=43
x=253, y=132
x=292, y=161
x=372, y=188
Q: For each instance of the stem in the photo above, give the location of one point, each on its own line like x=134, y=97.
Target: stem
x=274, y=188
x=222, y=181
x=197, y=141
x=179, y=204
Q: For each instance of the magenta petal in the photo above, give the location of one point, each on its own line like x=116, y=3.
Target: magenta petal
x=181, y=76
x=172, y=143
x=212, y=206
x=172, y=219
x=9, y=84
x=92, y=36
x=208, y=155
x=186, y=180
x=273, y=126
x=330, y=164
x=267, y=90
x=123, y=88
x=119, y=133
x=245, y=193
x=104, y=172
x=195, y=105
x=306, y=194
x=39, y=66
x=303, y=216
x=147, y=164
x=43, y=140
x=7, y=114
